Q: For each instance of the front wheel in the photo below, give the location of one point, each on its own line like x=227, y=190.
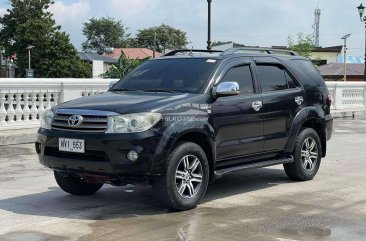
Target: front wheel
x=307, y=156
x=186, y=178
x=75, y=185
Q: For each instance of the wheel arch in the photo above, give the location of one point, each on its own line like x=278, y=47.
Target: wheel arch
x=308, y=118
x=200, y=133
x=205, y=143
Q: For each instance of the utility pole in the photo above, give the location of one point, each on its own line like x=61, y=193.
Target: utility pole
x=345, y=55
x=209, y=25
x=154, y=52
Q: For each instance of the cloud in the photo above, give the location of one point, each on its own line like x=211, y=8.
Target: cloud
x=263, y=23
x=64, y=13
x=128, y=7
x=71, y=17
x=2, y=11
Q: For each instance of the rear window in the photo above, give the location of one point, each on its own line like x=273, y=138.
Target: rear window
x=307, y=72
x=186, y=75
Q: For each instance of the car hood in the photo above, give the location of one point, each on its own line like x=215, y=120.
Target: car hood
x=131, y=102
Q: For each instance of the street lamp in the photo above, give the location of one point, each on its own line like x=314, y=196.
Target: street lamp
x=361, y=11
x=345, y=55
x=29, y=48
x=209, y=26
x=29, y=72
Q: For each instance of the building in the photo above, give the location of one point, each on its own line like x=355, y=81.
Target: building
x=324, y=55
x=100, y=63
x=335, y=72
x=8, y=68
x=133, y=53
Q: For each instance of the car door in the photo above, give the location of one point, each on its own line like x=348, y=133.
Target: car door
x=282, y=97
x=238, y=127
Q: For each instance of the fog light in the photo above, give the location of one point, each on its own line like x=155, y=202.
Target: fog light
x=132, y=156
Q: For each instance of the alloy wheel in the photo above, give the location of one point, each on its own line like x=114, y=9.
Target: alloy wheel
x=188, y=176
x=309, y=154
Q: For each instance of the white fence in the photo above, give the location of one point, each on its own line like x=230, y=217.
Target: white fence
x=348, y=95
x=23, y=101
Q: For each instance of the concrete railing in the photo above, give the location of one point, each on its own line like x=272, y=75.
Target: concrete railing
x=348, y=95
x=23, y=101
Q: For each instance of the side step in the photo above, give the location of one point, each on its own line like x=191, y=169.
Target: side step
x=222, y=172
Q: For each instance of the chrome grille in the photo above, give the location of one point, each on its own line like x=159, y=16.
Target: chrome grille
x=90, y=123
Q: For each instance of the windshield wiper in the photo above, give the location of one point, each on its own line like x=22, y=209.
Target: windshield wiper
x=159, y=90
x=123, y=89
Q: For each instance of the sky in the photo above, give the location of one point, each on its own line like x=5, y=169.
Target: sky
x=250, y=22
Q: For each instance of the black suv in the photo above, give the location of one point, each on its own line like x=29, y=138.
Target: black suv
x=182, y=121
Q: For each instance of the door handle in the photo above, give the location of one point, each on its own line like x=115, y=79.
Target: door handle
x=257, y=105
x=299, y=100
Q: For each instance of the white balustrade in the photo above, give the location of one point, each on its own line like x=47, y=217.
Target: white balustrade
x=348, y=95
x=23, y=101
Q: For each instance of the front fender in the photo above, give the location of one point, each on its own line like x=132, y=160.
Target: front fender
x=171, y=136
x=302, y=116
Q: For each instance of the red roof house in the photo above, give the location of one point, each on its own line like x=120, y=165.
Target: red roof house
x=333, y=71
x=133, y=53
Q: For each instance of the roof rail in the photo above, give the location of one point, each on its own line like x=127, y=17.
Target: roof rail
x=191, y=51
x=262, y=50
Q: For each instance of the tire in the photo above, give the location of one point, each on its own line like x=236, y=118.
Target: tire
x=307, y=155
x=186, y=178
x=75, y=185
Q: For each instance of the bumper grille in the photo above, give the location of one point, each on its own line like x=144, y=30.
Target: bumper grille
x=89, y=123
x=90, y=155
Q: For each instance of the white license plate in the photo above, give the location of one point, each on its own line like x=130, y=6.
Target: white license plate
x=71, y=145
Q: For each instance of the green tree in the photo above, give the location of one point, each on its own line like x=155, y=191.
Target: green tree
x=304, y=44
x=29, y=22
x=166, y=38
x=104, y=33
x=121, y=68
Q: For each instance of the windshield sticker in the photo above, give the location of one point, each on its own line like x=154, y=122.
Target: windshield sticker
x=211, y=61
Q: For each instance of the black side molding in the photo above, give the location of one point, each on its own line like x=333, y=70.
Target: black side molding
x=222, y=172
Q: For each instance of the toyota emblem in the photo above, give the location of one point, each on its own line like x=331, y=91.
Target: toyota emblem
x=75, y=121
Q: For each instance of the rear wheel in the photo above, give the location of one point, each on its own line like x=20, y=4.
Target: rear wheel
x=186, y=178
x=76, y=185
x=307, y=156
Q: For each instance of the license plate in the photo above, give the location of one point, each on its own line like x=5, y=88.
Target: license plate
x=71, y=145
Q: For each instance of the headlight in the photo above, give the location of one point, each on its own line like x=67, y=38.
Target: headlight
x=132, y=123
x=46, y=119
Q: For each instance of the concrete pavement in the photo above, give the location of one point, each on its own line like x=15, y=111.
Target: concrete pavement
x=251, y=205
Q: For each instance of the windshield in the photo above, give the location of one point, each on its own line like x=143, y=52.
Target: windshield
x=186, y=75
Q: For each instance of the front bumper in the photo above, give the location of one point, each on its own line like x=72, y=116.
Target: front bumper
x=105, y=154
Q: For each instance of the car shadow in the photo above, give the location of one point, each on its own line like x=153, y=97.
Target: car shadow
x=131, y=201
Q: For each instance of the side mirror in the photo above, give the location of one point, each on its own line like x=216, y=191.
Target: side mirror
x=226, y=89
x=111, y=84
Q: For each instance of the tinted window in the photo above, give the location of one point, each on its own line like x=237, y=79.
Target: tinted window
x=272, y=78
x=307, y=72
x=182, y=75
x=291, y=82
x=243, y=76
